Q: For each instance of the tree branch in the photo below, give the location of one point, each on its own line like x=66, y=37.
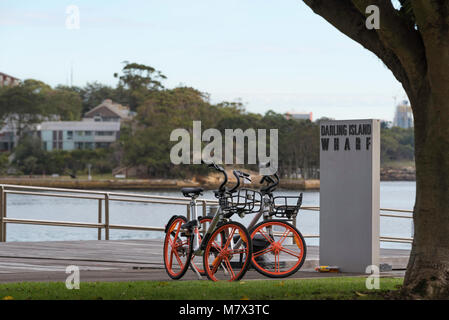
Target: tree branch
x=344, y=16
x=397, y=34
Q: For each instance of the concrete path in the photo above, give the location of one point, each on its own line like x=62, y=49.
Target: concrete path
x=124, y=260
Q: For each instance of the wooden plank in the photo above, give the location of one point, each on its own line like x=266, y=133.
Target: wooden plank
x=116, y=254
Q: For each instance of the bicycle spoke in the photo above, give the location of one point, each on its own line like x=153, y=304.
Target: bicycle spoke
x=284, y=235
x=215, y=264
x=217, y=246
x=228, y=263
x=170, y=264
x=290, y=252
x=263, y=251
x=266, y=237
x=170, y=242
x=178, y=258
x=230, y=238
x=237, y=251
x=177, y=231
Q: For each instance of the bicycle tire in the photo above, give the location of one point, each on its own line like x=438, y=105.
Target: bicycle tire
x=225, y=255
x=275, y=247
x=183, y=245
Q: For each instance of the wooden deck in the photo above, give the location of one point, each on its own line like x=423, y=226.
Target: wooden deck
x=115, y=260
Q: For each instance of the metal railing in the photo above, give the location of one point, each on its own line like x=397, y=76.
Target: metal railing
x=381, y=238
x=104, y=199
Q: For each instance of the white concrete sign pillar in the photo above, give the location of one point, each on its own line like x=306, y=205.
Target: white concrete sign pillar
x=349, y=194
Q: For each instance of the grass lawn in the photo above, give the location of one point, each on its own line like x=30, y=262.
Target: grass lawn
x=309, y=289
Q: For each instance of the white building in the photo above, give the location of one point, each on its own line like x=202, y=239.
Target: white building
x=71, y=135
x=7, y=80
x=298, y=115
x=403, y=116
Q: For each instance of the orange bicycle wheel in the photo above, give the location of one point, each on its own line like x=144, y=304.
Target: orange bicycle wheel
x=177, y=251
x=194, y=264
x=279, y=249
x=228, y=252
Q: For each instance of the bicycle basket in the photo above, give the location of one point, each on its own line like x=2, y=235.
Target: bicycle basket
x=243, y=201
x=286, y=206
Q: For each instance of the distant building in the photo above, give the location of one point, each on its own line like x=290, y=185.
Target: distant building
x=403, y=117
x=298, y=115
x=11, y=127
x=7, y=139
x=99, y=128
x=7, y=80
x=71, y=135
x=109, y=111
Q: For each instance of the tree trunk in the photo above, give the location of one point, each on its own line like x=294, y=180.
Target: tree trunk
x=428, y=268
x=416, y=50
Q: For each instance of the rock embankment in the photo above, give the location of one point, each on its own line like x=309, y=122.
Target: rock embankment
x=398, y=174
x=210, y=183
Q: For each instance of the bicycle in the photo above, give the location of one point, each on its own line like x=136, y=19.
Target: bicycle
x=225, y=256
x=269, y=237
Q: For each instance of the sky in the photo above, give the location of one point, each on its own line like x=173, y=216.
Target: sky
x=270, y=55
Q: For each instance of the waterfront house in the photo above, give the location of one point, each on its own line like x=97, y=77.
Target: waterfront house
x=71, y=135
x=8, y=81
x=109, y=111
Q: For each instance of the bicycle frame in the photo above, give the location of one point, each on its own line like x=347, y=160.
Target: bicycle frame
x=198, y=247
x=265, y=209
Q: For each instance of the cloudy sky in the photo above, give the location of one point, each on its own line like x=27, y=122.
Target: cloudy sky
x=269, y=54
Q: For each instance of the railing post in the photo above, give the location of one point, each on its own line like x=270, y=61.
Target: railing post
x=204, y=208
x=99, y=218
x=292, y=240
x=188, y=212
x=3, y=216
x=1, y=213
x=106, y=216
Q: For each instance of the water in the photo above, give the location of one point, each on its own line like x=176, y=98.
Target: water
x=394, y=195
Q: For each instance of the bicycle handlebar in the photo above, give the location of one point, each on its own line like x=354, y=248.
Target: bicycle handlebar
x=212, y=164
x=271, y=183
x=268, y=179
x=239, y=175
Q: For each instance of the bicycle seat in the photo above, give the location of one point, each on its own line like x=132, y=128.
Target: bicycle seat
x=190, y=192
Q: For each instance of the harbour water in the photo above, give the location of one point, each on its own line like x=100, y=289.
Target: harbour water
x=394, y=195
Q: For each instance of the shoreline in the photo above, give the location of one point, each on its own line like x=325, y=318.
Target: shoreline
x=141, y=184
x=157, y=184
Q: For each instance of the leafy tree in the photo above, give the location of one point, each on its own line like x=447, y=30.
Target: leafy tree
x=147, y=143
x=29, y=155
x=137, y=81
x=23, y=105
x=4, y=162
x=397, y=144
x=92, y=94
x=65, y=103
x=413, y=42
